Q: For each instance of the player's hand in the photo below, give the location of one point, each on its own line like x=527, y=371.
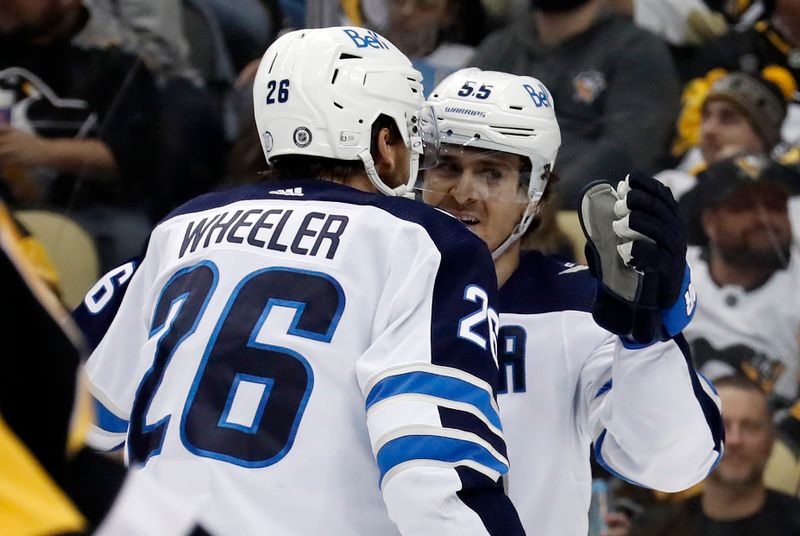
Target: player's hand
x=636, y=248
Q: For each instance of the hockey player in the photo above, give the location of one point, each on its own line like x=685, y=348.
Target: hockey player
x=587, y=357
x=279, y=338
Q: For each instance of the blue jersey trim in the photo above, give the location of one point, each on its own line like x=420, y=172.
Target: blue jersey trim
x=254, y=344
x=268, y=383
x=427, y=447
x=708, y=406
x=605, y=388
x=107, y=421
x=598, y=454
x=164, y=421
x=425, y=383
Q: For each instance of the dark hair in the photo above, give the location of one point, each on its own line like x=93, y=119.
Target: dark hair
x=548, y=200
x=544, y=234
x=315, y=167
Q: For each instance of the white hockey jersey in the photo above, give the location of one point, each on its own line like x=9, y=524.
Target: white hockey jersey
x=277, y=340
x=567, y=383
x=753, y=331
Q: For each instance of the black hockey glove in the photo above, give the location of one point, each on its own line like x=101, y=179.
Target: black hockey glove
x=636, y=249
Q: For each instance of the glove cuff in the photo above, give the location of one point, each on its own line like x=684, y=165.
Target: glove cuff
x=678, y=316
x=637, y=325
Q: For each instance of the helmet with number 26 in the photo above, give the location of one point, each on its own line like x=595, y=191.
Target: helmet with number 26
x=318, y=92
x=506, y=113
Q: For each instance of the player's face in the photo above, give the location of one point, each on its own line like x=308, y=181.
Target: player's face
x=724, y=131
x=751, y=228
x=748, y=437
x=479, y=187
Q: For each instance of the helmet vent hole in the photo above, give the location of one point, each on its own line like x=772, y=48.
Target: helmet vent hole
x=338, y=105
x=346, y=56
x=335, y=74
x=516, y=107
x=271, y=65
x=360, y=121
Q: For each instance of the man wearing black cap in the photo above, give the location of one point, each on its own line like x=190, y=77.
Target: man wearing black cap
x=614, y=86
x=746, y=276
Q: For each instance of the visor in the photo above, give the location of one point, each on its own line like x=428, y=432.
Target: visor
x=487, y=171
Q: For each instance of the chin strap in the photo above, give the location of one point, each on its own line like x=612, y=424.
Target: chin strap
x=527, y=217
x=404, y=190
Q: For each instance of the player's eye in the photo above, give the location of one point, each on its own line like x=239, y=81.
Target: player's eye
x=448, y=169
x=491, y=174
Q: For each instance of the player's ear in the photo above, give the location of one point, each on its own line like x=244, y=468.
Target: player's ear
x=387, y=152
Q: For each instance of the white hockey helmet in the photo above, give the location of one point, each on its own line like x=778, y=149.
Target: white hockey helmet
x=506, y=113
x=317, y=93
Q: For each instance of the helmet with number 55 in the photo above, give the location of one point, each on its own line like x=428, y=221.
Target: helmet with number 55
x=318, y=93
x=483, y=117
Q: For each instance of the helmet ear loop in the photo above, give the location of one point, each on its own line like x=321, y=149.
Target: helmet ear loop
x=404, y=190
x=372, y=173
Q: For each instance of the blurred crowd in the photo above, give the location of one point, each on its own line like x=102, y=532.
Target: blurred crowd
x=114, y=112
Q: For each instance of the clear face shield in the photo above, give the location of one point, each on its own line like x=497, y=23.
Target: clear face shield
x=423, y=136
x=487, y=185
x=471, y=169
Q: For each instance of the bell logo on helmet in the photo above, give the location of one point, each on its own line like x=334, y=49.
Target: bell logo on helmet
x=302, y=137
x=369, y=40
x=539, y=98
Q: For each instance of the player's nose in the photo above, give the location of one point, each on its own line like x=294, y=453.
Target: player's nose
x=468, y=188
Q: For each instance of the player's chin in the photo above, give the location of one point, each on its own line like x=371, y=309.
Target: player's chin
x=737, y=472
x=482, y=231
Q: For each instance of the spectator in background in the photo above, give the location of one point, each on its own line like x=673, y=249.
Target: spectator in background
x=773, y=40
x=724, y=115
x=438, y=35
x=151, y=29
x=614, y=86
x=734, y=500
x=83, y=130
x=747, y=277
x=248, y=27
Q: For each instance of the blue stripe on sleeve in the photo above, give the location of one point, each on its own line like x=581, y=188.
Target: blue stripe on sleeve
x=428, y=447
x=598, y=454
x=605, y=388
x=426, y=383
x=108, y=421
